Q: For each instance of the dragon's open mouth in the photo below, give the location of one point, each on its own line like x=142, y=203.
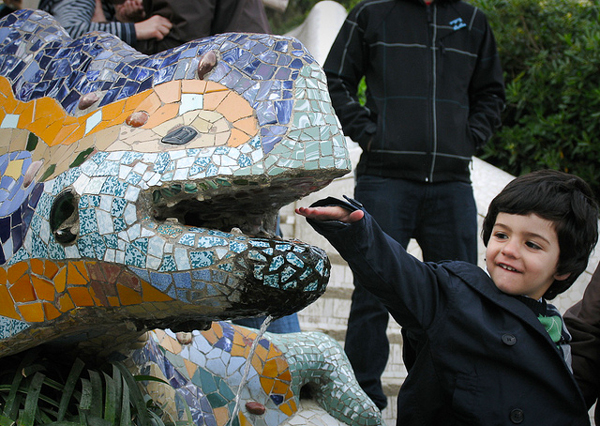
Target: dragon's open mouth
x=238, y=206
x=246, y=212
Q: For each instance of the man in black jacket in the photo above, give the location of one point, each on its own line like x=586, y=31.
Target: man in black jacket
x=434, y=96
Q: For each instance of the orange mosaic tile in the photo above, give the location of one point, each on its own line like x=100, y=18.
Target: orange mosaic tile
x=211, y=87
x=243, y=420
x=60, y=280
x=50, y=311
x=214, y=99
x=280, y=387
x=234, y=107
x=128, y=296
x=37, y=266
x=267, y=384
x=22, y=290
x=50, y=269
x=114, y=301
x=148, y=101
x=287, y=409
x=164, y=113
x=32, y=312
x=193, y=86
x=169, y=92
x=270, y=368
x=151, y=294
x=237, y=138
x=65, y=303
x=190, y=367
x=7, y=305
x=286, y=376
x=16, y=271
x=43, y=289
x=221, y=415
x=81, y=296
x=77, y=273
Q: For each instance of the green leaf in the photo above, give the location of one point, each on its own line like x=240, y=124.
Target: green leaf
x=28, y=415
x=13, y=401
x=110, y=400
x=5, y=421
x=86, y=401
x=69, y=387
x=97, y=393
x=144, y=378
x=135, y=395
x=125, y=404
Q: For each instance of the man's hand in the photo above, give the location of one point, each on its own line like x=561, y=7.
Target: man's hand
x=154, y=27
x=331, y=213
x=130, y=11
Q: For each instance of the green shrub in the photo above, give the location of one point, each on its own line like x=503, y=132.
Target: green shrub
x=35, y=391
x=550, y=52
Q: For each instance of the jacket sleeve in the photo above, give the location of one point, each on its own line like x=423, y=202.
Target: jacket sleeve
x=486, y=89
x=345, y=66
x=412, y=291
x=583, y=322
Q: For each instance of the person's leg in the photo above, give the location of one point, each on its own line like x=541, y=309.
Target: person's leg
x=448, y=226
x=366, y=342
x=287, y=324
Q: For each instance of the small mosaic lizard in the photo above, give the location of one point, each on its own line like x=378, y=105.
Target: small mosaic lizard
x=204, y=370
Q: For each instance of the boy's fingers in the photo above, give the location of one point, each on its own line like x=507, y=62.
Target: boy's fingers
x=355, y=216
x=330, y=213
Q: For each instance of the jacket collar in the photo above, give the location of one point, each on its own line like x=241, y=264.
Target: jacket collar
x=480, y=281
x=436, y=1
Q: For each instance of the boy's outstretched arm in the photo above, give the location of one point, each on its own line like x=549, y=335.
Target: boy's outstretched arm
x=330, y=213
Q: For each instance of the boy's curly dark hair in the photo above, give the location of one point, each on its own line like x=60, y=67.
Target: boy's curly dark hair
x=564, y=199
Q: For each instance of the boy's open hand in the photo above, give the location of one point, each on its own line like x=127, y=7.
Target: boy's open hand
x=331, y=213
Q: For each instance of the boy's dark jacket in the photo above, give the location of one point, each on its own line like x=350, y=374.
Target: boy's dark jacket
x=403, y=132
x=483, y=356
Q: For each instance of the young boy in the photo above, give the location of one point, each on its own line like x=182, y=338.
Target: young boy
x=490, y=350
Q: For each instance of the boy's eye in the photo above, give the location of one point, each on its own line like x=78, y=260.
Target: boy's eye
x=533, y=245
x=500, y=235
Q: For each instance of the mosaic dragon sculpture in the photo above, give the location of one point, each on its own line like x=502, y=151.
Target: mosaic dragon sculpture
x=141, y=192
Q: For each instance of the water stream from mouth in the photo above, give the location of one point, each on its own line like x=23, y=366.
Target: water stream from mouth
x=263, y=329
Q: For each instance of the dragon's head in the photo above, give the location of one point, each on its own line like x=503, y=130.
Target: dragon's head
x=145, y=189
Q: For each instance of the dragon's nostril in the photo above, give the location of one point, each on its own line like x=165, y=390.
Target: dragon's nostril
x=64, y=218
x=180, y=136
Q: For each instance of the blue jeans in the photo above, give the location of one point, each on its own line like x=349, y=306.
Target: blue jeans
x=287, y=324
x=442, y=217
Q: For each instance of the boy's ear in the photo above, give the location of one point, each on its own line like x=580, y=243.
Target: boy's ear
x=561, y=277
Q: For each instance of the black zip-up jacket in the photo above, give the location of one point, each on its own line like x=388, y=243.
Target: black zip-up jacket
x=434, y=86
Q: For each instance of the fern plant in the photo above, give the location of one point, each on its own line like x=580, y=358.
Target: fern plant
x=35, y=390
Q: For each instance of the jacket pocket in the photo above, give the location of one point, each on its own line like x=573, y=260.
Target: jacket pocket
x=465, y=398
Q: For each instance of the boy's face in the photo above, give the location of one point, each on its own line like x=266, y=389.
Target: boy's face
x=522, y=255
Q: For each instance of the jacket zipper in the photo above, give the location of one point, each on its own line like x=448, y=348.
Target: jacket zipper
x=433, y=20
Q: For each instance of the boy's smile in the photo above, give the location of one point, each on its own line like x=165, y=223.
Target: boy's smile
x=522, y=255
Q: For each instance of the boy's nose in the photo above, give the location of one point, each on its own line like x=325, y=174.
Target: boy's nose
x=511, y=248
